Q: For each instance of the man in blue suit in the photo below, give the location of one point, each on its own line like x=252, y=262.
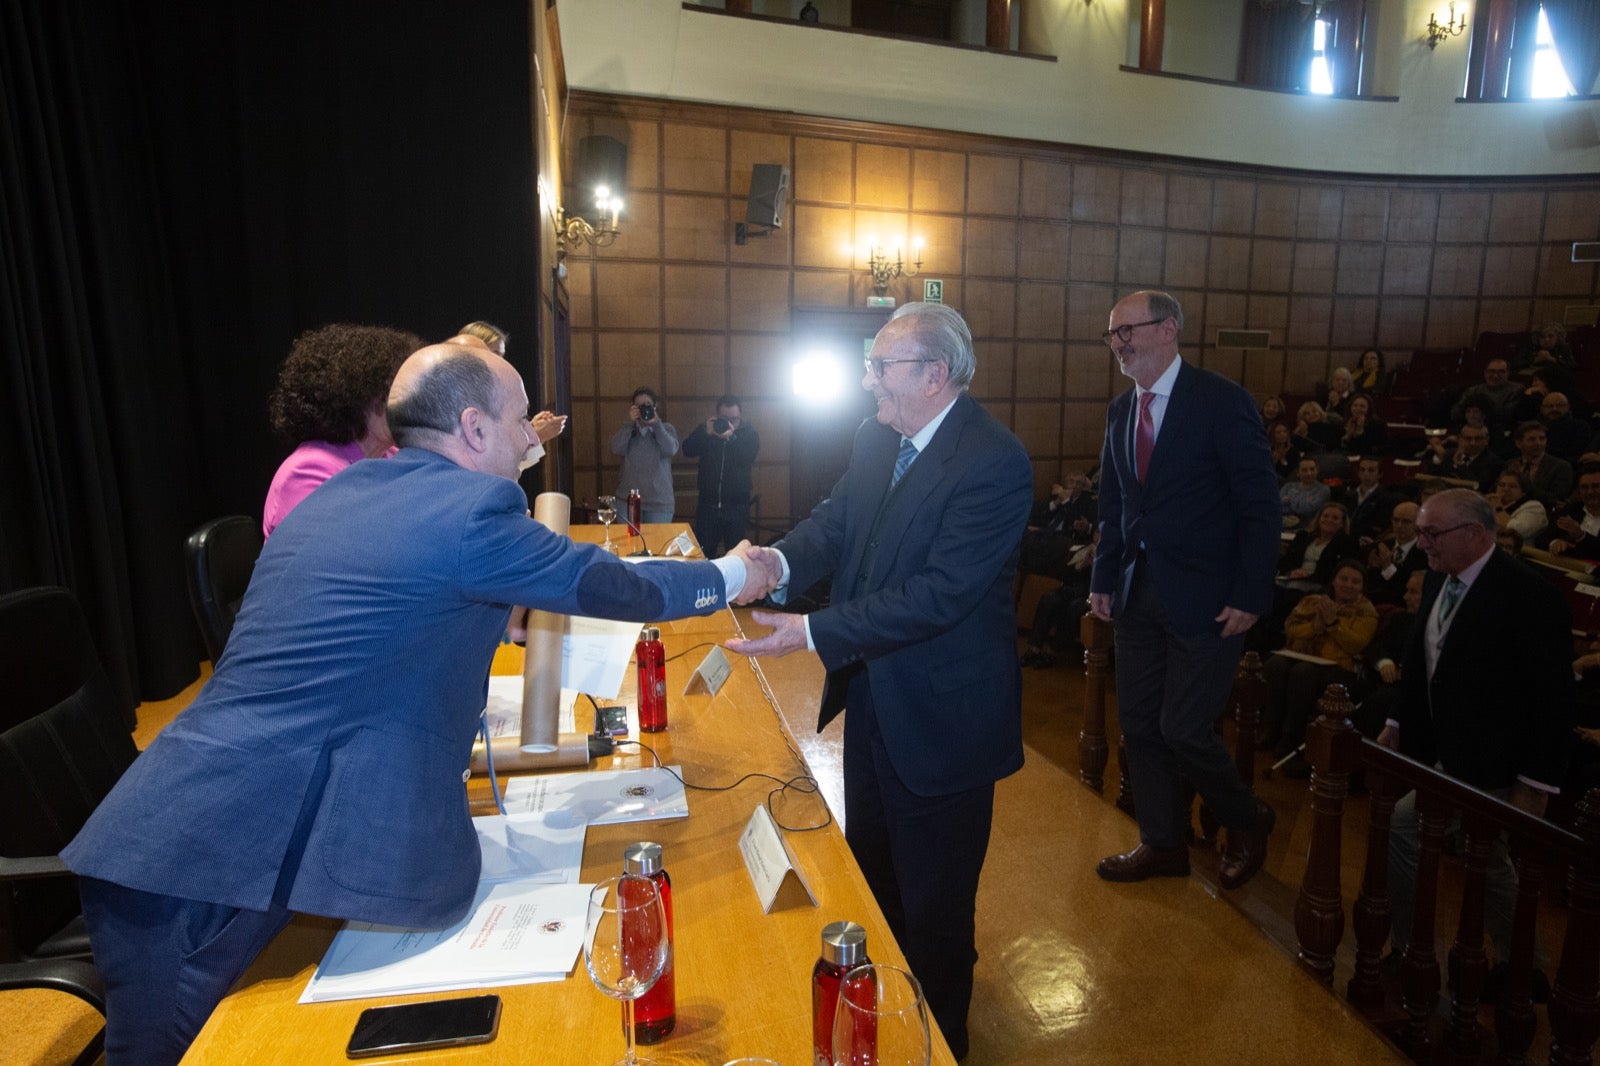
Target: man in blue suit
x=920, y=536
x=1188, y=538
x=321, y=768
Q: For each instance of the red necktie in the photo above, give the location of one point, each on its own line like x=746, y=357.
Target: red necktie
x=1144, y=438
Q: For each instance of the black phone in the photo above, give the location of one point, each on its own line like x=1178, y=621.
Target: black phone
x=419, y=1026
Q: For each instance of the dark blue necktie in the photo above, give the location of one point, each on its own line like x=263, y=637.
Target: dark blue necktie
x=908, y=452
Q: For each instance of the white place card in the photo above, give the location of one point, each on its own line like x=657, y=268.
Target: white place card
x=710, y=674
x=771, y=865
x=679, y=545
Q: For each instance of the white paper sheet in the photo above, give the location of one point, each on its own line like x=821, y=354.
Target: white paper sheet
x=595, y=654
x=505, y=707
x=515, y=934
x=525, y=847
x=599, y=797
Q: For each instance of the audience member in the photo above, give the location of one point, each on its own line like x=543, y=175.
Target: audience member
x=1334, y=627
x=320, y=769
x=1491, y=638
x=1380, y=685
x=1395, y=559
x=1274, y=411
x=1469, y=460
x=1576, y=529
x=1306, y=565
x=1056, y=618
x=1546, y=344
x=1341, y=386
x=1317, y=430
x=1583, y=764
x=547, y=425
x=1498, y=392
x=1367, y=501
x=1549, y=478
x=329, y=400
x=647, y=445
x=726, y=448
x=1514, y=509
x=1364, y=432
x=1305, y=495
x=1542, y=381
x=1285, y=456
x=1060, y=523
x=1370, y=376
x=1566, y=437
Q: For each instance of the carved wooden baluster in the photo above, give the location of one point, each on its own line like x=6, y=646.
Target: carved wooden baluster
x=1370, y=915
x=1419, y=968
x=1092, y=751
x=1249, y=697
x=1333, y=746
x=1575, y=1004
x=1514, y=1020
x=1468, y=966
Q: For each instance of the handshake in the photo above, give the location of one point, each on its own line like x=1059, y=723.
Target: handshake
x=763, y=571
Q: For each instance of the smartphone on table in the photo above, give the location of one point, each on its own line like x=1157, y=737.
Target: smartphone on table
x=419, y=1026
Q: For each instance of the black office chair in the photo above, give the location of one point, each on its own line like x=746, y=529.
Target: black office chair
x=63, y=975
x=63, y=744
x=221, y=556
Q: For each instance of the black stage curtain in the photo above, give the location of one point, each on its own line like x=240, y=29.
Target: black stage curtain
x=184, y=187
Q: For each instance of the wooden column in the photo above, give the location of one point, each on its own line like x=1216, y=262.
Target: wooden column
x=1574, y=1014
x=997, y=25
x=1419, y=968
x=1152, y=33
x=1514, y=1020
x=1371, y=913
x=1249, y=697
x=1332, y=747
x=1468, y=964
x=1092, y=750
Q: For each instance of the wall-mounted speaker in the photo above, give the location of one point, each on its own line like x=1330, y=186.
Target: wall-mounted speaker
x=769, y=193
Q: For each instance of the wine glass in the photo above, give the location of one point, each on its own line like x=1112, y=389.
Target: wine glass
x=625, y=944
x=607, y=513
x=881, y=1019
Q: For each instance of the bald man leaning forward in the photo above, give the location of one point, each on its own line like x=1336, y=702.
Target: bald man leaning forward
x=320, y=770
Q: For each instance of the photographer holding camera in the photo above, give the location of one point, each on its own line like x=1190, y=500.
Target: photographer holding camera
x=647, y=446
x=726, y=448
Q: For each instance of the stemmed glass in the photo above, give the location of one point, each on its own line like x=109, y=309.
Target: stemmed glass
x=625, y=945
x=607, y=513
x=881, y=1019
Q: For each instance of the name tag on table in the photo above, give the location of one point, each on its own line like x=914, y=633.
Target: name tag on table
x=771, y=865
x=710, y=674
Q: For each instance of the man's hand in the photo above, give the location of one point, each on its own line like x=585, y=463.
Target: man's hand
x=1388, y=671
x=1382, y=556
x=1587, y=735
x=1390, y=737
x=1526, y=797
x=1570, y=526
x=517, y=627
x=1058, y=492
x=763, y=571
x=1100, y=605
x=1235, y=621
x=788, y=634
x=548, y=426
x=1558, y=547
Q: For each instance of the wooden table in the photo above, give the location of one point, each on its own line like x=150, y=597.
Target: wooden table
x=743, y=977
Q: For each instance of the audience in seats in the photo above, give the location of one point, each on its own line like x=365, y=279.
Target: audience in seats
x=1547, y=344
x=1368, y=502
x=1514, y=509
x=1393, y=560
x=1341, y=387
x=1370, y=376
x=1056, y=618
x=1306, y=565
x=1317, y=430
x=1334, y=629
x=1486, y=694
x=1509, y=541
x=1285, y=456
x=1542, y=381
x=1364, y=432
x=1566, y=436
x=1273, y=411
x=1380, y=683
x=1060, y=524
x=1549, y=478
x=1575, y=530
x=1498, y=392
x=1469, y=459
x=1583, y=766
x=1303, y=497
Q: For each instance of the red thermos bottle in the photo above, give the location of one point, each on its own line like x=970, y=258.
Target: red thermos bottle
x=844, y=945
x=652, y=661
x=655, y=1012
x=635, y=513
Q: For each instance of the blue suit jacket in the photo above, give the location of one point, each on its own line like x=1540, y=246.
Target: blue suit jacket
x=331, y=744
x=933, y=623
x=1207, y=513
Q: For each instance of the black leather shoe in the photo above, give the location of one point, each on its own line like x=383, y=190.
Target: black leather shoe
x=1143, y=863
x=1246, y=849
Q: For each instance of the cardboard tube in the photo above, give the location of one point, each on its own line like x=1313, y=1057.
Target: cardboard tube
x=541, y=669
x=572, y=749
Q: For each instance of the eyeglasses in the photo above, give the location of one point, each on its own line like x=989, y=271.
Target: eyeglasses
x=1125, y=333
x=876, y=366
x=1430, y=535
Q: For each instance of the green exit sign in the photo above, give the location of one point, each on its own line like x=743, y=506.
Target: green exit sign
x=932, y=291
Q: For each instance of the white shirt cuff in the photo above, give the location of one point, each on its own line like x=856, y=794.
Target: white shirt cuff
x=1540, y=785
x=733, y=576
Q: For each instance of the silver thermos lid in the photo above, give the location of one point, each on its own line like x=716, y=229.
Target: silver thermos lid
x=844, y=944
x=642, y=859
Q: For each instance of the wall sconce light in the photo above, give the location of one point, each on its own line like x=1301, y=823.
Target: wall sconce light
x=884, y=270
x=570, y=229
x=1453, y=26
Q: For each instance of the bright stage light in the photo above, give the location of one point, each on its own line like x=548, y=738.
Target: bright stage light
x=819, y=378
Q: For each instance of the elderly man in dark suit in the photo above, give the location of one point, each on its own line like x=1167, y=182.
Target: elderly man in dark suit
x=1486, y=692
x=320, y=768
x=1188, y=538
x=920, y=536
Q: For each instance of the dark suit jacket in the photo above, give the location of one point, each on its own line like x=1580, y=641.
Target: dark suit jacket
x=1500, y=702
x=1343, y=546
x=925, y=606
x=1393, y=589
x=1207, y=514
x=1370, y=518
x=331, y=743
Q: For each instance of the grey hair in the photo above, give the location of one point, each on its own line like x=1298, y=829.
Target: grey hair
x=1468, y=506
x=439, y=395
x=941, y=333
x=1163, y=305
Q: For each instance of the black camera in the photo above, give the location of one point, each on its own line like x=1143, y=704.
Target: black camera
x=647, y=412
x=722, y=425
